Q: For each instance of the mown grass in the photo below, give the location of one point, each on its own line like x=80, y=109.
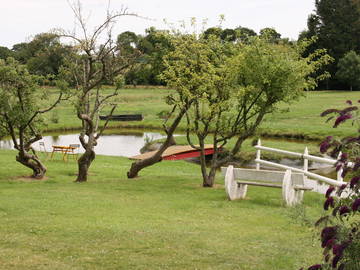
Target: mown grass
x=301, y=119
x=162, y=220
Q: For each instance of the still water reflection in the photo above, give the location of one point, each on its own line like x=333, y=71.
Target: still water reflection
x=126, y=145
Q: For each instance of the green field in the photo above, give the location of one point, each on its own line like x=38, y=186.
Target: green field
x=162, y=220
x=301, y=119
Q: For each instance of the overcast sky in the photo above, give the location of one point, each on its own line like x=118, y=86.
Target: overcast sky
x=22, y=19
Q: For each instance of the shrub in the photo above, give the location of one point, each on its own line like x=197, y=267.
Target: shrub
x=340, y=233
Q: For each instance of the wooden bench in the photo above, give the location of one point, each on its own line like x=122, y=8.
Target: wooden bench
x=237, y=181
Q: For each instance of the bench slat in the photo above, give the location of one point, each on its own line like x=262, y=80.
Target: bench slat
x=258, y=184
x=302, y=188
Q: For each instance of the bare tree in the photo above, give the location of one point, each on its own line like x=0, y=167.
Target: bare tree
x=95, y=60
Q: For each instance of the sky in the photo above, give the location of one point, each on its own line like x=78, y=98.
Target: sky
x=20, y=20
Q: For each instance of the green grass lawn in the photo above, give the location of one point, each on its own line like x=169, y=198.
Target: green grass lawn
x=162, y=220
x=299, y=119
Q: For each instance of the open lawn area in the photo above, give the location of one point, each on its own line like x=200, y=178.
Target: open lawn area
x=300, y=119
x=162, y=220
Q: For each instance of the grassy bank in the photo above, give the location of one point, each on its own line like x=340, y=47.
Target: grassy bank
x=159, y=221
x=298, y=120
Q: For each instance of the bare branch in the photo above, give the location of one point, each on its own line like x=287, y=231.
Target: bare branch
x=44, y=111
x=106, y=123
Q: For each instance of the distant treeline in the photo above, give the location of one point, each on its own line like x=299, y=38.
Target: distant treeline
x=335, y=26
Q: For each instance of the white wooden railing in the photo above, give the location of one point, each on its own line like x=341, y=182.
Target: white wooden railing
x=312, y=179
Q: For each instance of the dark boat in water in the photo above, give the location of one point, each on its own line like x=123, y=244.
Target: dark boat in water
x=122, y=117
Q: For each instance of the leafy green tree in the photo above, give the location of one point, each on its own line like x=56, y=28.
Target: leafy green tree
x=127, y=41
x=228, y=35
x=232, y=87
x=270, y=34
x=213, y=31
x=21, y=52
x=254, y=81
x=349, y=69
x=153, y=46
x=20, y=112
x=243, y=34
x=187, y=51
x=43, y=55
x=337, y=28
x=5, y=52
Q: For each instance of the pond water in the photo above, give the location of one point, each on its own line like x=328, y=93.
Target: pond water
x=124, y=144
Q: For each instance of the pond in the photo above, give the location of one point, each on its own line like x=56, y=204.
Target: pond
x=125, y=144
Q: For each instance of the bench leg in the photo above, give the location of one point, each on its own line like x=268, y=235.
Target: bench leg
x=233, y=190
x=241, y=191
x=290, y=195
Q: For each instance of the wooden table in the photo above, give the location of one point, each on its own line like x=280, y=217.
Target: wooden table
x=63, y=149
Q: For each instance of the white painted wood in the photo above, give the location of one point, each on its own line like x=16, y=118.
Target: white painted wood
x=258, y=155
x=232, y=190
x=258, y=184
x=309, y=174
x=287, y=192
x=242, y=190
x=287, y=180
x=291, y=195
x=339, y=172
x=298, y=155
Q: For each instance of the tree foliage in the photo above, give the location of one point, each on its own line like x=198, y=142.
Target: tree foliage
x=349, y=69
x=5, y=52
x=232, y=86
x=340, y=226
x=336, y=25
x=43, y=55
x=20, y=113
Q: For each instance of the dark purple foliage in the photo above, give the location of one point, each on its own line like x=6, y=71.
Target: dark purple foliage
x=341, y=119
x=335, y=261
x=357, y=164
x=344, y=210
x=345, y=171
x=355, y=206
x=345, y=234
x=324, y=146
x=354, y=181
x=338, y=249
x=315, y=267
x=329, y=191
x=330, y=243
x=343, y=157
x=326, y=234
x=349, y=109
x=339, y=166
x=343, y=186
x=329, y=202
x=324, y=113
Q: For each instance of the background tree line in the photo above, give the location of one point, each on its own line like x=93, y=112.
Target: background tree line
x=45, y=54
x=334, y=26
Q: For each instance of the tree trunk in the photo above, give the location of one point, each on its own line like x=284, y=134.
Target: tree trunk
x=207, y=182
x=32, y=162
x=137, y=166
x=84, y=163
